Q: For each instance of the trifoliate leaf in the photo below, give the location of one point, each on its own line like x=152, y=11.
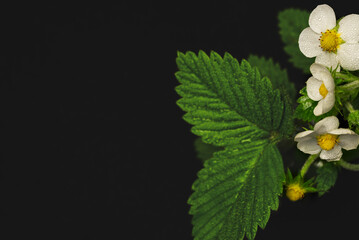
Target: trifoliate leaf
x=305, y=108
x=205, y=151
x=278, y=76
x=327, y=176
x=291, y=23
x=232, y=106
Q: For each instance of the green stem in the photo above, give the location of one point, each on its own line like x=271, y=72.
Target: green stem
x=307, y=164
x=350, y=86
x=349, y=106
x=349, y=166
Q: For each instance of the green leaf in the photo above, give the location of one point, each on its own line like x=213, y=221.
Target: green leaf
x=236, y=191
x=232, y=106
x=278, y=76
x=327, y=176
x=229, y=103
x=353, y=118
x=305, y=108
x=291, y=23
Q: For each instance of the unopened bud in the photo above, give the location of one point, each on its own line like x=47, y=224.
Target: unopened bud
x=295, y=192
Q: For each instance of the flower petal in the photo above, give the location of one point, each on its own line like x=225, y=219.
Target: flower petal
x=319, y=71
x=329, y=101
x=341, y=131
x=318, y=110
x=349, y=141
x=348, y=56
x=322, y=18
x=325, y=105
x=303, y=135
x=309, y=43
x=313, y=86
x=329, y=83
x=349, y=28
x=326, y=125
x=309, y=146
x=328, y=59
x=332, y=155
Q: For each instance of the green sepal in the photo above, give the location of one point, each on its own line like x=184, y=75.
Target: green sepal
x=307, y=185
x=311, y=189
x=289, y=177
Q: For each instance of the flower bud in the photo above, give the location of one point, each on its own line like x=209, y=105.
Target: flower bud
x=295, y=192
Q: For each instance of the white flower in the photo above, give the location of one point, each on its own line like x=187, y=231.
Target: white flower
x=329, y=43
x=327, y=139
x=320, y=87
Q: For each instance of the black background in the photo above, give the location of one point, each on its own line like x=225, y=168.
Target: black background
x=94, y=145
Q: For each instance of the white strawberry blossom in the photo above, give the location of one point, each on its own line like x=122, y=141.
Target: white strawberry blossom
x=320, y=87
x=327, y=139
x=329, y=43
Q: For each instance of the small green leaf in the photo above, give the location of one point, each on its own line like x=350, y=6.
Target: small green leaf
x=327, y=176
x=305, y=108
x=291, y=23
x=278, y=76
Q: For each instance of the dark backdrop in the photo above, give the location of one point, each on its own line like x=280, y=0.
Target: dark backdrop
x=94, y=145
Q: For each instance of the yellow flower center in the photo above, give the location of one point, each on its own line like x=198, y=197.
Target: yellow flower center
x=330, y=41
x=295, y=192
x=323, y=90
x=327, y=141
